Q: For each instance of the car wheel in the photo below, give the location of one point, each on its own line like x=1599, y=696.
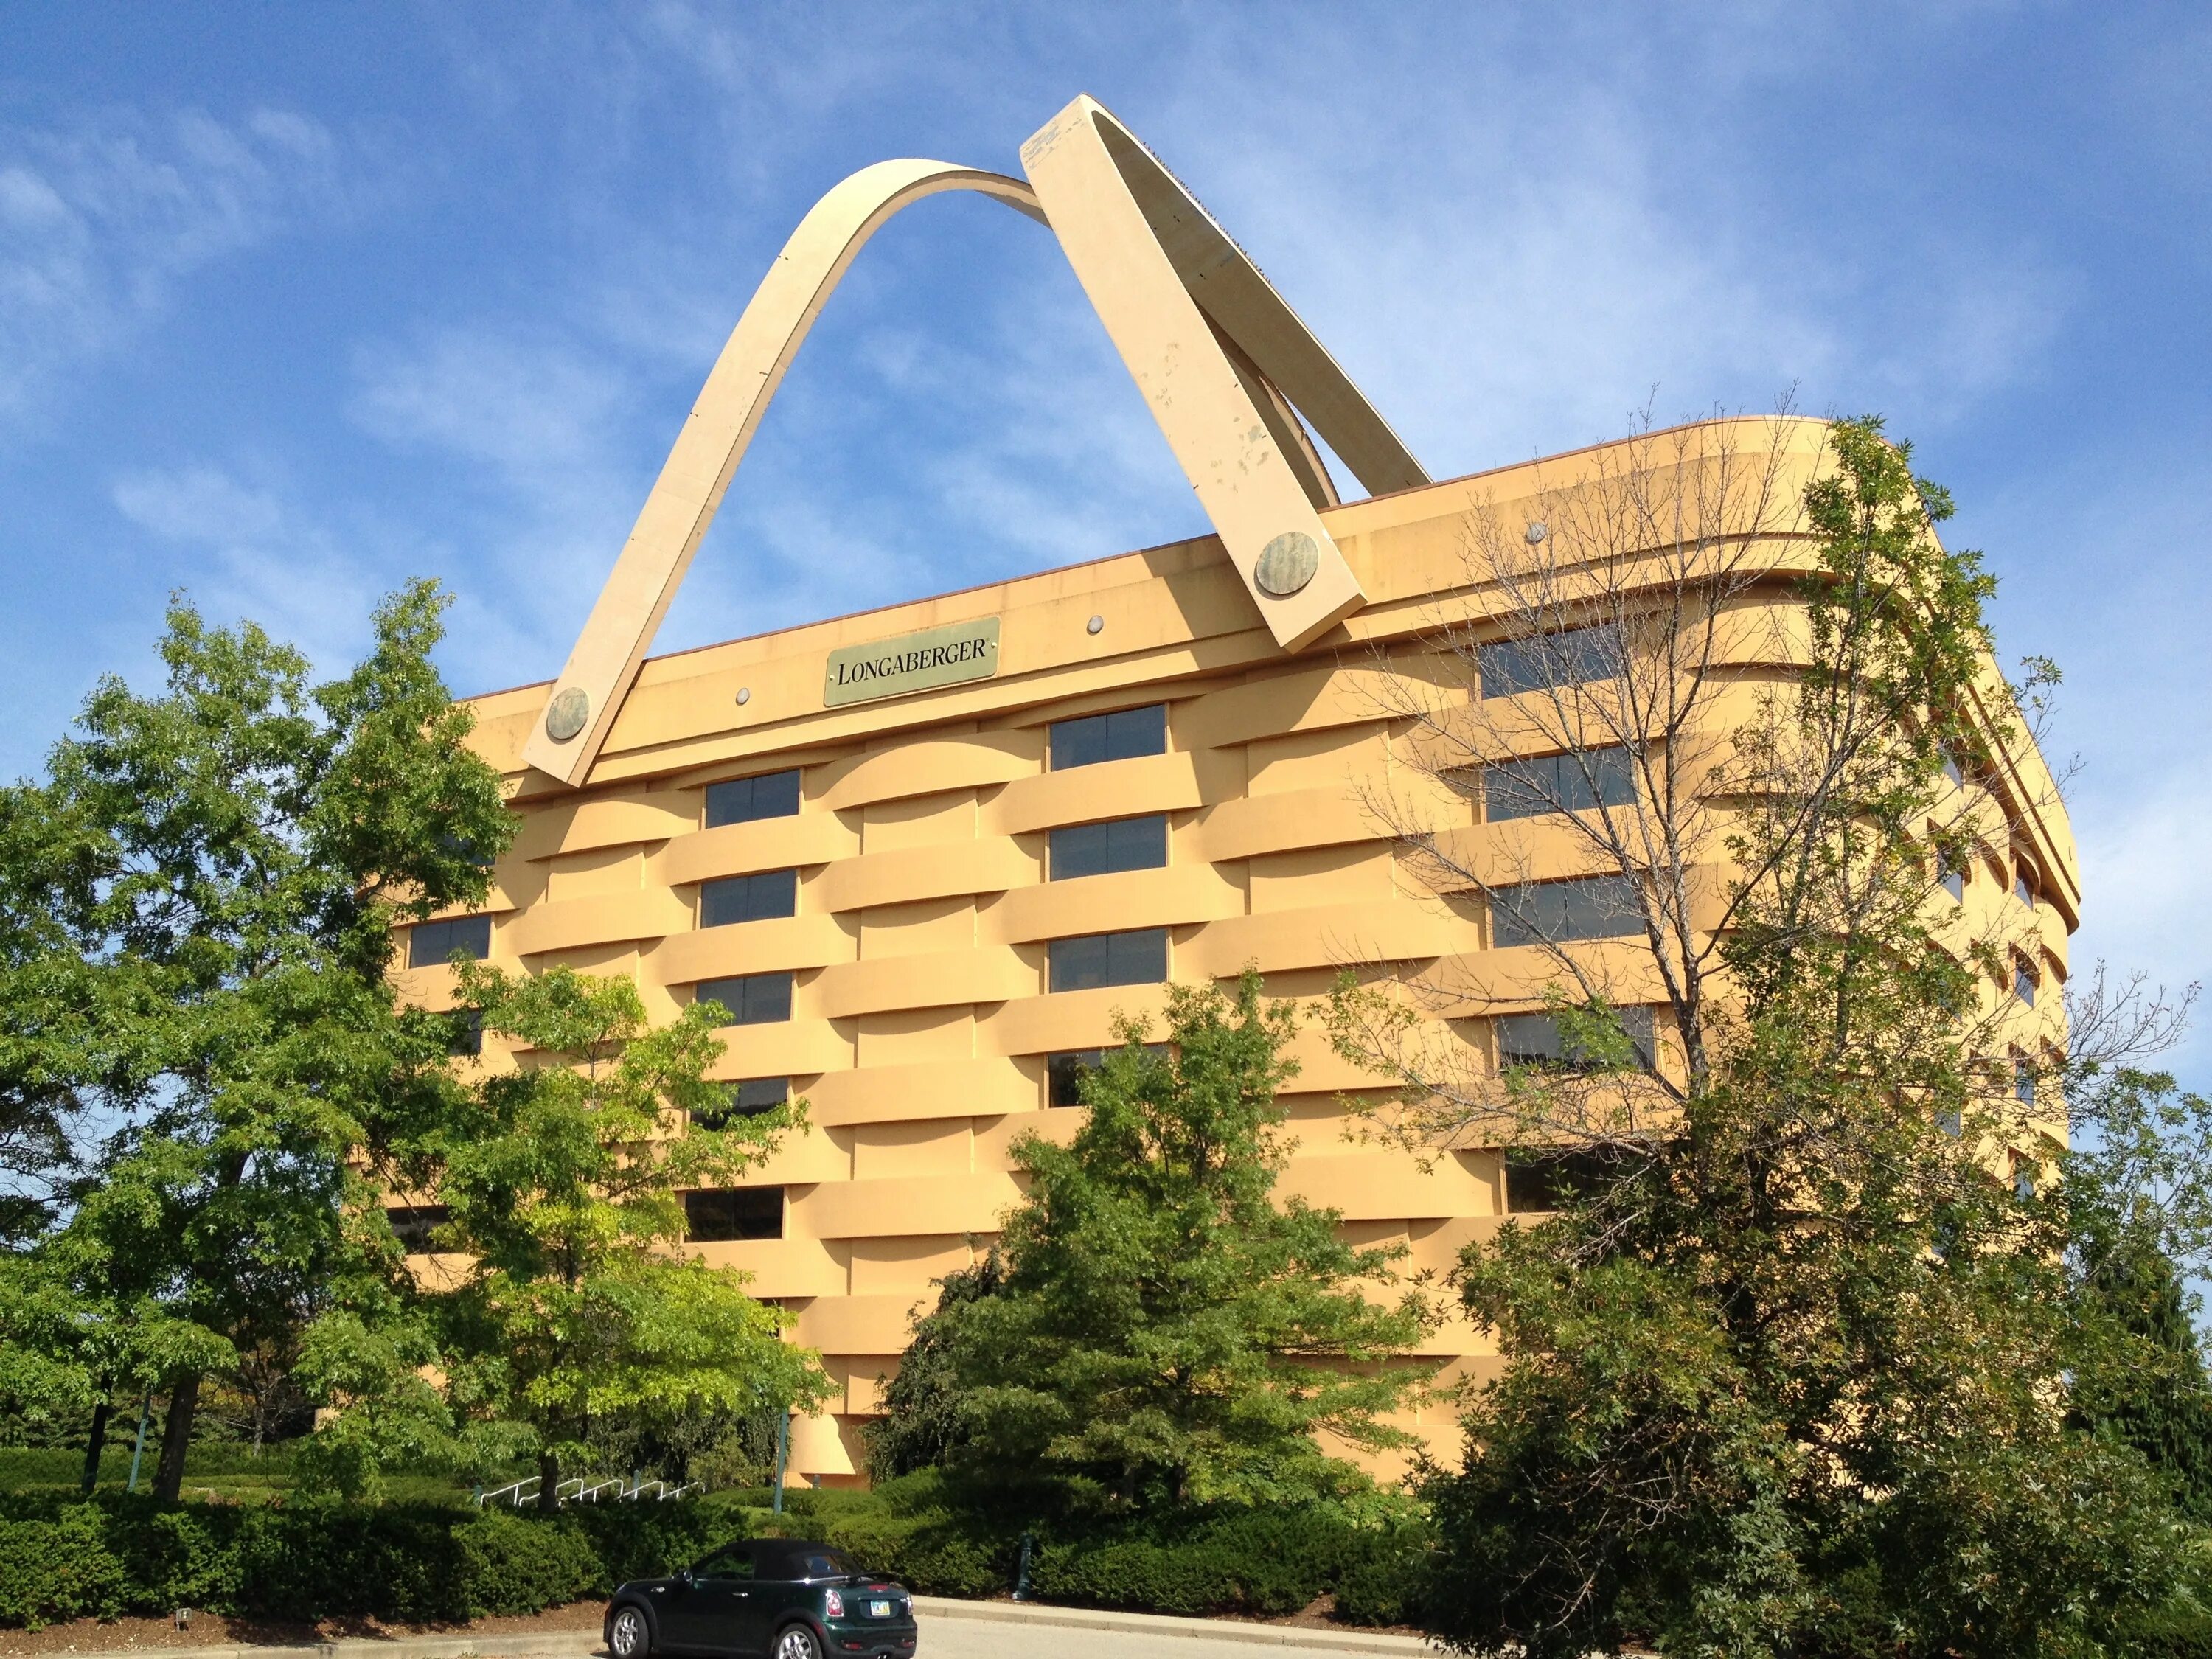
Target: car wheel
x=798, y=1643
x=631, y=1636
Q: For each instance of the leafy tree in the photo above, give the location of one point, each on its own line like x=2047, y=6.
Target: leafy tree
x=921, y=1421
x=1786, y=1371
x=2137, y=1199
x=564, y=1178
x=1165, y=1333
x=199, y=901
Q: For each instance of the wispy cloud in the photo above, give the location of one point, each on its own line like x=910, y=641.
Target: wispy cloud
x=261, y=558
x=99, y=222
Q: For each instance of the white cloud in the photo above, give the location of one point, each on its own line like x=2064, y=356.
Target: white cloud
x=99, y=222
x=259, y=558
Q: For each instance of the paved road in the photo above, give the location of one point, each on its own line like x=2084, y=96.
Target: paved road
x=972, y=1638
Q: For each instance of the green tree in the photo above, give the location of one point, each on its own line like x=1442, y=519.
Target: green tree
x=564, y=1177
x=1786, y=1371
x=921, y=1421
x=203, y=975
x=1166, y=1333
x=2137, y=1199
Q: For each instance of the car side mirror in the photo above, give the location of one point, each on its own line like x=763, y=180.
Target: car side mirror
x=683, y=1576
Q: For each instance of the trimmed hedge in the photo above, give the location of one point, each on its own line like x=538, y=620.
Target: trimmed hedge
x=423, y=1563
x=414, y=1563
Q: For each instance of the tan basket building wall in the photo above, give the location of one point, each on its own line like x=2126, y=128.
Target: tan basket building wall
x=920, y=1019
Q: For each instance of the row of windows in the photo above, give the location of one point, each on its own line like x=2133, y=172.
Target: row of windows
x=708, y=1216
x=1123, y=734
x=1082, y=849
x=1590, y=907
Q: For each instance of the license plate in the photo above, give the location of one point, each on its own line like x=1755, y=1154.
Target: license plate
x=880, y=1609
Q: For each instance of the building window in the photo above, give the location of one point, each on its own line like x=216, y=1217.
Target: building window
x=1536, y=1040
x=714, y=1215
x=1537, y=1181
x=749, y=999
x=413, y=1223
x=430, y=942
x=2023, y=888
x=1950, y=876
x=742, y=800
x=1092, y=960
x=2023, y=1081
x=464, y=1033
x=748, y=898
x=1568, y=657
x=1100, y=849
x=1557, y=912
x=749, y=1098
x=1121, y=735
x=1950, y=1122
x=1572, y=783
x=2023, y=982
x=1954, y=771
x=2023, y=1178
x=1064, y=1072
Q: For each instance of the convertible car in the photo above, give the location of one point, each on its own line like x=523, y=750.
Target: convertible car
x=771, y=1597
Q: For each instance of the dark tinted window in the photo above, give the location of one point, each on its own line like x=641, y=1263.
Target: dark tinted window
x=1508, y=666
x=748, y=898
x=1590, y=907
x=751, y=999
x=429, y=943
x=411, y=1223
x=1099, y=849
x=734, y=1212
x=805, y=1561
x=1536, y=1039
x=750, y=1098
x=1539, y=1181
x=1118, y=736
x=771, y=795
x=465, y=1034
x=1951, y=878
x=1092, y=960
x=1557, y=783
x=733, y=1561
x=1064, y=1072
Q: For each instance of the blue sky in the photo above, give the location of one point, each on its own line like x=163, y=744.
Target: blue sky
x=296, y=303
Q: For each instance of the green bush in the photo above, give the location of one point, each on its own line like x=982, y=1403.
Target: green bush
x=511, y=1565
x=431, y=1563
x=58, y=1569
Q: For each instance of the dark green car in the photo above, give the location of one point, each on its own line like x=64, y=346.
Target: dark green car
x=773, y=1597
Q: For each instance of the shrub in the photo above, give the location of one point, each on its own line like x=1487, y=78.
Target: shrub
x=58, y=1569
x=510, y=1564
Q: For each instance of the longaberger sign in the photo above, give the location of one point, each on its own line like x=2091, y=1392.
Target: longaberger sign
x=912, y=662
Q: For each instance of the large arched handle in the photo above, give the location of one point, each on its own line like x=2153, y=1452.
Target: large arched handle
x=1217, y=354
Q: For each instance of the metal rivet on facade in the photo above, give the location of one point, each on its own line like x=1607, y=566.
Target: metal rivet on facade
x=1536, y=531
x=1096, y=625
x=745, y=695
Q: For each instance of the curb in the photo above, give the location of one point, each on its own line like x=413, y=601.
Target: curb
x=1157, y=1624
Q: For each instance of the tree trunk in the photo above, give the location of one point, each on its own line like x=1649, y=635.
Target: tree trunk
x=95, y=1443
x=177, y=1436
x=549, y=1482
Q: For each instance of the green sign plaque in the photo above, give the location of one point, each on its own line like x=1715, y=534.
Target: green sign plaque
x=912, y=662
